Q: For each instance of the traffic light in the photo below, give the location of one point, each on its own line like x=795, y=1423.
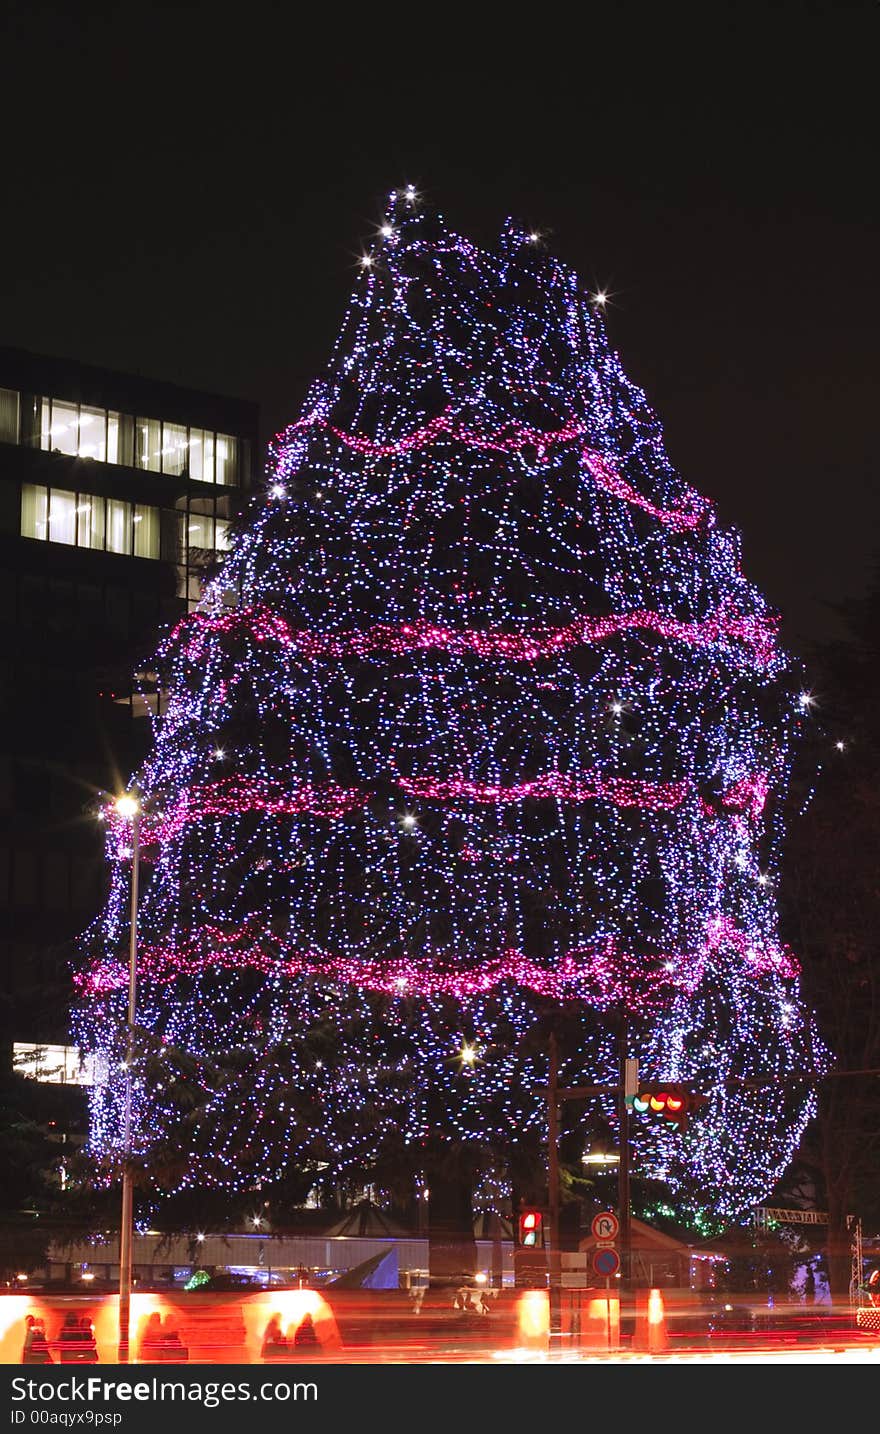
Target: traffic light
x=531, y=1228
x=670, y=1102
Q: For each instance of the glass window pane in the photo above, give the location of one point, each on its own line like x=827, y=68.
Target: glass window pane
x=222, y=540
x=146, y=531
x=63, y=429
x=62, y=516
x=118, y=526
x=120, y=439
x=171, y=544
x=173, y=448
x=93, y=434
x=34, y=510
x=91, y=515
x=45, y=406
x=148, y=444
x=227, y=460
x=200, y=532
x=8, y=415
x=197, y=457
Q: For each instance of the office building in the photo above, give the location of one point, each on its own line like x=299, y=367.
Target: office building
x=116, y=498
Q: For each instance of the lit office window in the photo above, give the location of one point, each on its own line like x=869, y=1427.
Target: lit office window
x=93, y=434
x=89, y=521
x=200, y=532
x=9, y=407
x=146, y=531
x=59, y=426
x=120, y=439
x=118, y=526
x=148, y=444
x=174, y=449
x=227, y=460
x=90, y=512
x=62, y=517
x=222, y=540
x=201, y=455
x=55, y=1065
x=34, y=511
x=111, y=437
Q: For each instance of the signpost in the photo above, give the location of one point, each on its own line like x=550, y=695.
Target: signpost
x=628, y=1083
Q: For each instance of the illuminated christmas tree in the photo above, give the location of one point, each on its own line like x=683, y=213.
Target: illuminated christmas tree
x=481, y=718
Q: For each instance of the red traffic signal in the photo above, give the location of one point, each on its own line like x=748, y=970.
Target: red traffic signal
x=670, y=1102
x=531, y=1227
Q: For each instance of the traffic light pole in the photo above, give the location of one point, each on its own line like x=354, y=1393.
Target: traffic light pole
x=555, y=1094
x=623, y=1164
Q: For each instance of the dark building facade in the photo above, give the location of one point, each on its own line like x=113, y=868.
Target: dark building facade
x=116, y=496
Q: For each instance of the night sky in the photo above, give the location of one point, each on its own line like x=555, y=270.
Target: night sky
x=187, y=188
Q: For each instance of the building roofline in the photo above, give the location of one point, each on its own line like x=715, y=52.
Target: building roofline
x=73, y=380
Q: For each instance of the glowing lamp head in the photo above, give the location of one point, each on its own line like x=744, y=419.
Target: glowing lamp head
x=468, y=1054
x=601, y=298
x=127, y=806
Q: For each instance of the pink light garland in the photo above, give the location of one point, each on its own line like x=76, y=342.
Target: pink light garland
x=236, y=796
x=748, y=795
x=651, y=796
x=264, y=626
x=779, y=960
x=603, y=975
x=600, y=468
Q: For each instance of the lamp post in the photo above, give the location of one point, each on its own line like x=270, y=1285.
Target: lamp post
x=554, y=1256
x=129, y=808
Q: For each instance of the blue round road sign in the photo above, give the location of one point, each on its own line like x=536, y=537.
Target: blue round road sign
x=606, y=1261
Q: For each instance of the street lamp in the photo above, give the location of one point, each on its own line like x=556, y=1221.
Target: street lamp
x=129, y=808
